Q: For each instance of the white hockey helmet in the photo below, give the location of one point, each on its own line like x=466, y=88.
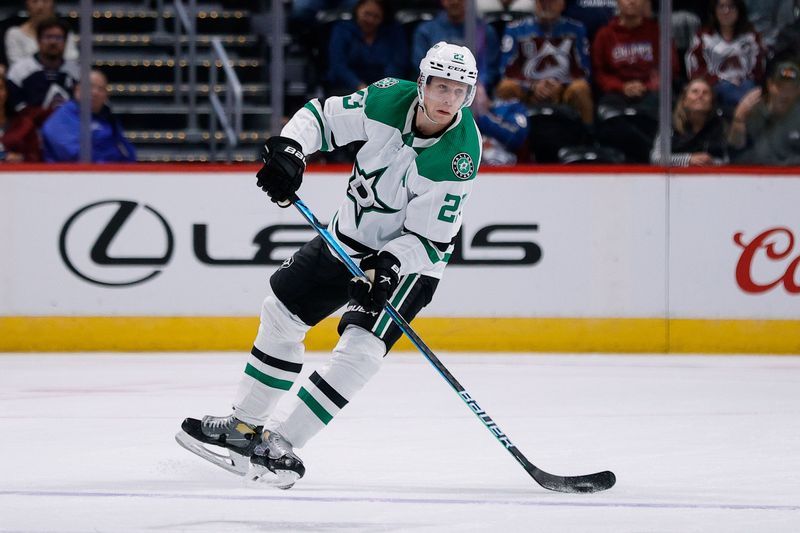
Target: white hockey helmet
x=451, y=62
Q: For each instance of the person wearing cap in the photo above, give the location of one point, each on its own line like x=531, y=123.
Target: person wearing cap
x=766, y=124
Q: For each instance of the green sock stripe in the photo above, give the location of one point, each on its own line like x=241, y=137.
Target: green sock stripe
x=315, y=406
x=267, y=380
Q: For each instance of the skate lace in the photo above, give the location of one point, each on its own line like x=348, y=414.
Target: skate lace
x=279, y=446
x=218, y=422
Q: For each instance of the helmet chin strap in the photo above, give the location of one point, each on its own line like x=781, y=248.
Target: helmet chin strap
x=425, y=112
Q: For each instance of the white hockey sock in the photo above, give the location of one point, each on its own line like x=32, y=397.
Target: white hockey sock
x=357, y=357
x=274, y=363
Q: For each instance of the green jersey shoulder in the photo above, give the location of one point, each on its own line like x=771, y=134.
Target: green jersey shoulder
x=388, y=101
x=456, y=156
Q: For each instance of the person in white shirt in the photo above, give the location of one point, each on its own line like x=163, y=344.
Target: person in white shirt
x=20, y=41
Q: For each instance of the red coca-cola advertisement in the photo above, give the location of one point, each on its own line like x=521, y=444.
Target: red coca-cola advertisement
x=768, y=261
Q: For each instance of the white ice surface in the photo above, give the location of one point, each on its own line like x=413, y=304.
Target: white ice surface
x=698, y=444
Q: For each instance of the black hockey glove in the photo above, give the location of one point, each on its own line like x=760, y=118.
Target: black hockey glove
x=382, y=270
x=282, y=173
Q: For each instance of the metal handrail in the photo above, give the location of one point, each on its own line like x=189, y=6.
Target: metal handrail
x=186, y=20
x=277, y=67
x=232, y=110
x=159, y=17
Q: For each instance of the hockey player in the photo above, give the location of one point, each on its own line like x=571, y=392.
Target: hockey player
x=402, y=210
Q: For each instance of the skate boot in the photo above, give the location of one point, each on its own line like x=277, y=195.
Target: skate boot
x=274, y=463
x=237, y=438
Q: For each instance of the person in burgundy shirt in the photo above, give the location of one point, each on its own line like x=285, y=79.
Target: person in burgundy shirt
x=625, y=58
x=625, y=61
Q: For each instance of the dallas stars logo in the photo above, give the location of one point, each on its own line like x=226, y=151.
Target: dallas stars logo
x=361, y=189
x=463, y=165
x=385, y=83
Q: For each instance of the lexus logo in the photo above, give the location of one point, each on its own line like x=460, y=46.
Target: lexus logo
x=116, y=243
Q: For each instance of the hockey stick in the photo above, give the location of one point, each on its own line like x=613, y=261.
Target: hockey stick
x=587, y=483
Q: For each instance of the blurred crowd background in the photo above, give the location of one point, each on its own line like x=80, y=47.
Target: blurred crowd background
x=561, y=81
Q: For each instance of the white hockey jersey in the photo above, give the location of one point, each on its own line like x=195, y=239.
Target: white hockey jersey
x=406, y=192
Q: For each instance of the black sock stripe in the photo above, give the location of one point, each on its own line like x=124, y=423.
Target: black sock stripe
x=337, y=399
x=277, y=363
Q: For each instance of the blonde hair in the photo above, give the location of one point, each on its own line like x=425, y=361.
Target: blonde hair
x=680, y=119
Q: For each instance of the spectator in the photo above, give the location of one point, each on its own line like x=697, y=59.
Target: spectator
x=625, y=56
x=37, y=85
x=727, y=52
x=5, y=153
x=766, y=127
x=366, y=49
x=22, y=42
x=305, y=11
x=768, y=16
x=448, y=25
x=61, y=132
x=698, y=131
x=488, y=6
x=45, y=79
x=548, y=55
x=503, y=125
x=593, y=14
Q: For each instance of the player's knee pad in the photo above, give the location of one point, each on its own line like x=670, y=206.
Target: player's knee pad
x=361, y=347
x=280, y=333
x=357, y=357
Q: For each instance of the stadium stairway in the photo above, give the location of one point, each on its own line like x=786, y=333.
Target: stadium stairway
x=139, y=62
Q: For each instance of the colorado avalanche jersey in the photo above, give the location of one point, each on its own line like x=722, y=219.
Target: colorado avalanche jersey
x=406, y=192
x=735, y=61
x=533, y=51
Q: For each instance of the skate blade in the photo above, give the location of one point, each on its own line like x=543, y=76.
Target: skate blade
x=262, y=476
x=233, y=462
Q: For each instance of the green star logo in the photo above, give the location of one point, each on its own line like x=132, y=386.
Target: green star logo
x=385, y=83
x=463, y=167
x=362, y=191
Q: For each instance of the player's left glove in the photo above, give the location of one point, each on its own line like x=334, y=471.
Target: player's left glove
x=383, y=270
x=282, y=173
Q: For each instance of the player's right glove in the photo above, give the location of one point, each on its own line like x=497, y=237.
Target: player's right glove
x=382, y=270
x=282, y=173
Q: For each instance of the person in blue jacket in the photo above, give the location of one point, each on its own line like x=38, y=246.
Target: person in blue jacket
x=366, y=49
x=61, y=132
x=504, y=126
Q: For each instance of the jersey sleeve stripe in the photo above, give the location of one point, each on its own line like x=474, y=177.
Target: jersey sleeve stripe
x=311, y=107
x=432, y=251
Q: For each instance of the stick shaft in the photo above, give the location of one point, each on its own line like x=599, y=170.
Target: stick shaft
x=405, y=327
x=586, y=483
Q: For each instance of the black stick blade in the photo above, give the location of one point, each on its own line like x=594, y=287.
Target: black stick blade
x=581, y=484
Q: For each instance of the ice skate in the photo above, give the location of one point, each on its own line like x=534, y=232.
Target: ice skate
x=238, y=439
x=274, y=463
